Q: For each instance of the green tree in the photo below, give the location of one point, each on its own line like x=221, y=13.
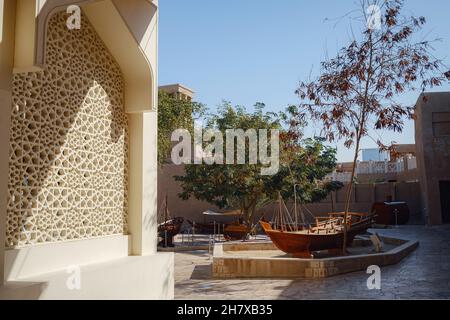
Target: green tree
x=174, y=114
x=304, y=163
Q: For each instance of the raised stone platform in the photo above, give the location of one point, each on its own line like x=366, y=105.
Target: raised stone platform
x=264, y=260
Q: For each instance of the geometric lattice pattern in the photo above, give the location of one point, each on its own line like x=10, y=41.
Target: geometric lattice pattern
x=69, y=143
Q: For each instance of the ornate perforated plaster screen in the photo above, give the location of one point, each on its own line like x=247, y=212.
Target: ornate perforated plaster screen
x=69, y=143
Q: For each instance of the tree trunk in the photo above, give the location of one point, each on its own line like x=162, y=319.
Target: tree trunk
x=349, y=194
x=359, y=134
x=251, y=212
x=244, y=214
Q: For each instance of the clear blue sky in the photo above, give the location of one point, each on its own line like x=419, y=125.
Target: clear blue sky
x=248, y=51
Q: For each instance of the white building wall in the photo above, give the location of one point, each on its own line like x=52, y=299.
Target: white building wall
x=374, y=155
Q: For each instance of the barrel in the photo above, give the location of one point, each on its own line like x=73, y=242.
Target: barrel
x=391, y=213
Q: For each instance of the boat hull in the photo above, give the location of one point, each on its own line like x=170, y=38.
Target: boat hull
x=169, y=229
x=234, y=232
x=302, y=245
x=207, y=228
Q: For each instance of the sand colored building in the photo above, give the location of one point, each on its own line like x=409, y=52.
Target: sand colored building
x=78, y=171
x=178, y=91
x=433, y=154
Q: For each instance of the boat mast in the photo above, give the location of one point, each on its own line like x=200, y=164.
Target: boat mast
x=166, y=210
x=281, y=212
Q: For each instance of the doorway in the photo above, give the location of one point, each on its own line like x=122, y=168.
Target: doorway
x=444, y=187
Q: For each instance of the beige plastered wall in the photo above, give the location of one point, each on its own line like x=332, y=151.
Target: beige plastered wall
x=433, y=153
x=129, y=30
x=7, y=14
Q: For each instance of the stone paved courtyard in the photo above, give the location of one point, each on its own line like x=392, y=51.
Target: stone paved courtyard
x=425, y=274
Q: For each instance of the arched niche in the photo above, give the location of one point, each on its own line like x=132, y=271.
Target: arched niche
x=131, y=40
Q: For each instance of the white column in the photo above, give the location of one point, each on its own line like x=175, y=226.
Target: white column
x=143, y=183
x=5, y=102
x=7, y=22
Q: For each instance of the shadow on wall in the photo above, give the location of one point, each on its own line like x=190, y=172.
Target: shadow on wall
x=68, y=176
x=22, y=291
x=168, y=282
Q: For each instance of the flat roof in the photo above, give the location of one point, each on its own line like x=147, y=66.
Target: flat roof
x=176, y=86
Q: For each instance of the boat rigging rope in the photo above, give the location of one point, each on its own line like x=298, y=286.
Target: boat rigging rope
x=308, y=211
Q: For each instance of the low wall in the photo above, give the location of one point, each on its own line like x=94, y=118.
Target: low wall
x=103, y=266
x=228, y=266
x=363, y=196
x=410, y=175
x=129, y=278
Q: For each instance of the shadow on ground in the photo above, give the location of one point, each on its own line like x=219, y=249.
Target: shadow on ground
x=422, y=275
x=202, y=272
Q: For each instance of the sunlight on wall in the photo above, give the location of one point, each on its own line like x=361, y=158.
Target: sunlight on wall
x=2, y=9
x=69, y=143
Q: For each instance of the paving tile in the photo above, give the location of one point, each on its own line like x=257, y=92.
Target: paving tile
x=425, y=274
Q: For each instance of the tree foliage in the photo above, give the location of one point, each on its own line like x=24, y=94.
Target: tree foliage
x=242, y=186
x=361, y=87
x=174, y=114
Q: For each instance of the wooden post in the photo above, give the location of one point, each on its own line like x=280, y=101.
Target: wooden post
x=394, y=191
x=333, y=201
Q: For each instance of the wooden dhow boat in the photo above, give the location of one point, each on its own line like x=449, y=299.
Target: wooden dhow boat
x=231, y=231
x=168, y=227
x=214, y=227
x=236, y=231
x=326, y=234
x=202, y=228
